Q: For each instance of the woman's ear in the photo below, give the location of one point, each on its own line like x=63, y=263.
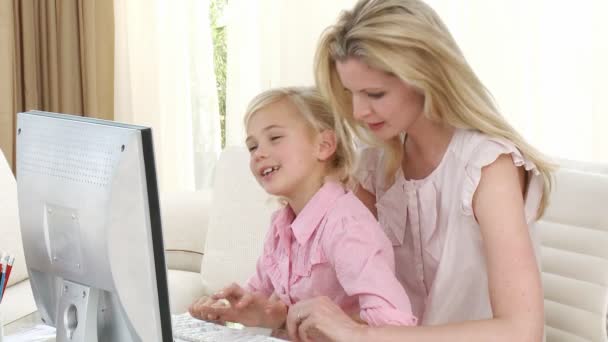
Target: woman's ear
x=327, y=144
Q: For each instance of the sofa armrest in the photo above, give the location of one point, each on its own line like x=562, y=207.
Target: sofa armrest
x=185, y=216
x=184, y=260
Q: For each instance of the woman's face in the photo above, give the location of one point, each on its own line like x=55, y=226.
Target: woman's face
x=382, y=102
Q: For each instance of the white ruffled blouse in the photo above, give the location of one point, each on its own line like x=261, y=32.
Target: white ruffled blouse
x=436, y=239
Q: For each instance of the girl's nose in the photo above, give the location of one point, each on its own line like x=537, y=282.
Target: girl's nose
x=259, y=153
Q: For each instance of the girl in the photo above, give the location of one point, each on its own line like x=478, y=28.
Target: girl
x=454, y=187
x=324, y=241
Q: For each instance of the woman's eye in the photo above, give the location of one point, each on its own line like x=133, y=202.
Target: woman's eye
x=376, y=95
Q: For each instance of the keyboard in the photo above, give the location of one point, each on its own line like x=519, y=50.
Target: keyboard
x=189, y=329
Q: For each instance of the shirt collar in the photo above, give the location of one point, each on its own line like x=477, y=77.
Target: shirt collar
x=313, y=212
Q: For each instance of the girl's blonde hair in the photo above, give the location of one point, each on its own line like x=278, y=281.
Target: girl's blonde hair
x=313, y=108
x=407, y=38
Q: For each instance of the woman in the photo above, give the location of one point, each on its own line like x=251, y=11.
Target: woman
x=455, y=188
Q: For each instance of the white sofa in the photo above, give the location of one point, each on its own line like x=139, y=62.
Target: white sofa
x=184, y=224
x=574, y=238
x=229, y=225
x=236, y=219
x=574, y=254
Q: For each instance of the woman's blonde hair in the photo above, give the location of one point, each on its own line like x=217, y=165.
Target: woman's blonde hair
x=317, y=113
x=407, y=38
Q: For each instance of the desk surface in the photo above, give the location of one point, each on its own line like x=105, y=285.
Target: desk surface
x=34, y=319
x=26, y=322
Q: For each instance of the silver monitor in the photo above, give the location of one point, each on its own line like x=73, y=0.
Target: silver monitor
x=91, y=227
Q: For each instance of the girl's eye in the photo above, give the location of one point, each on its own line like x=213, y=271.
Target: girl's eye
x=376, y=95
x=252, y=148
x=275, y=138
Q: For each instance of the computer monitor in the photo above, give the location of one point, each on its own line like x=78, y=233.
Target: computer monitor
x=91, y=228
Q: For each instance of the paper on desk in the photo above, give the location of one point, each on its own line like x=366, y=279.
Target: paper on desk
x=38, y=333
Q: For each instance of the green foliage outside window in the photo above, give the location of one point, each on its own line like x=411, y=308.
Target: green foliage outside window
x=218, y=32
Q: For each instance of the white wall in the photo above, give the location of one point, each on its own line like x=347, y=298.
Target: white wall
x=545, y=63
x=543, y=60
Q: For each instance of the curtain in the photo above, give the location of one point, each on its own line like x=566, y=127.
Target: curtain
x=56, y=55
x=164, y=78
x=544, y=61
x=271, y=43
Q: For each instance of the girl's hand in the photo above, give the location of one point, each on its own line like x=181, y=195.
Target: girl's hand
x=320, y=319
x=247, y=308
x=204, y=308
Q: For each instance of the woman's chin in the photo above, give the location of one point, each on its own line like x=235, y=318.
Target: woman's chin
x=384, y=134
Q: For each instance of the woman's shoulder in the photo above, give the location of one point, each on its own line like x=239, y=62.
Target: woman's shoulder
x=478, y=150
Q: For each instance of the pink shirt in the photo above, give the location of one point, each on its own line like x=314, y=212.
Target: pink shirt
x=438, y=246
x=334, y=248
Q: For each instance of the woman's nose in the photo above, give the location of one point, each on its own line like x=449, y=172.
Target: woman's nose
x=361, y=107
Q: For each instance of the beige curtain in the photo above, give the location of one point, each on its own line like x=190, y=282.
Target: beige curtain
x=55, y=55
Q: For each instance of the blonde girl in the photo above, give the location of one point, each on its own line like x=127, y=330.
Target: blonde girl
x=324, y=241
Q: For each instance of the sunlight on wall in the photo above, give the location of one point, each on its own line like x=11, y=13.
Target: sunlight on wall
x=543, y=60
x=544, y=63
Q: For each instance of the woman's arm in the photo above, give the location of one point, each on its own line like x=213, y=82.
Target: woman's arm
x=513, y=278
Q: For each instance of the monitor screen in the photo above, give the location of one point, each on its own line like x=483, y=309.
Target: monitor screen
x=91, y=227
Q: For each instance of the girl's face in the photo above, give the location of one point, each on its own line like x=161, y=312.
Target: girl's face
x=283, y=151
x=382, y=102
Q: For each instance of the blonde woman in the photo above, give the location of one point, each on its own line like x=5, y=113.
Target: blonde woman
x=455, y=188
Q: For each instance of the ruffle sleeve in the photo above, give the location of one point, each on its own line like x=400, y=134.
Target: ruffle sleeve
x=485, y=153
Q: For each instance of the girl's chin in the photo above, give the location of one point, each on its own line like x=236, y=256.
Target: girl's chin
x=274, y=191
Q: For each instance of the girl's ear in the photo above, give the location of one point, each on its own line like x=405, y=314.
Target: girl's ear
x=327, y=144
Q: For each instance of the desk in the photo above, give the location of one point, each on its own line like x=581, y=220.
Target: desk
x=26, y=322
x=33, y=319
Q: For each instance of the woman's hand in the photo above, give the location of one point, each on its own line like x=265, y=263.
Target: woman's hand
x=247, y=308
x=320, y=319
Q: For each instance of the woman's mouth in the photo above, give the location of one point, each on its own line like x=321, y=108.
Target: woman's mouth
x=375, y=126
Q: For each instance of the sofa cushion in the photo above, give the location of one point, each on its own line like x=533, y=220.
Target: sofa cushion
x=574, y=254
x=239, y=218
x=184, y=287
x=10, y=230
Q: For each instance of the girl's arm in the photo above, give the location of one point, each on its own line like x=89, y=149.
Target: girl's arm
x=513, y=278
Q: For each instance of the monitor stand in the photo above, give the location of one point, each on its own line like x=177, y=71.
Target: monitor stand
x=77, y=313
